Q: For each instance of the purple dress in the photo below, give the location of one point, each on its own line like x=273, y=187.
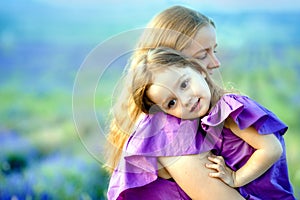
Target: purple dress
x=156, y=135
x=164, y=135
x=274, y=183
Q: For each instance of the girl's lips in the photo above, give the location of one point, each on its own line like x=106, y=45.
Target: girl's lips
x=195, y=105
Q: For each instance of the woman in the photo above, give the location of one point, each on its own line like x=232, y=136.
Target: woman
x=194, y=35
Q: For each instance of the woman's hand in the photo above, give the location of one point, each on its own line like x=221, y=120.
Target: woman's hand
x=222, y=171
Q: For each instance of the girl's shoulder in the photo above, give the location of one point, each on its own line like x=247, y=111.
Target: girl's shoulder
x=239, y=100
x=233, y=98
x=245, y=112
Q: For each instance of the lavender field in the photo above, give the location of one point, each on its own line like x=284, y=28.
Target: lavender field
x=48, y=152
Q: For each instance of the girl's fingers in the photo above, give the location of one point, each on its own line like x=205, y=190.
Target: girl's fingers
x=216, y=167
x=216, y=174
x=216, y=159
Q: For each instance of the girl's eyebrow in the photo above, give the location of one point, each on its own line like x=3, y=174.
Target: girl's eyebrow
x=180, y=79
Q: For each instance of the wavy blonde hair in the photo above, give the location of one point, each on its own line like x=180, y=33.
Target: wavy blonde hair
x=174, y=28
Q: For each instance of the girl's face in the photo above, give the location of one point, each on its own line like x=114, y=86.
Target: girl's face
x=203, y=48
x=181, y=92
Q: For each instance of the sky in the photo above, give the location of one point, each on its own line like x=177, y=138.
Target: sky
x=221, y=5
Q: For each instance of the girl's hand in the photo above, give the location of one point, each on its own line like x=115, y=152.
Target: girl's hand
x=223, y=172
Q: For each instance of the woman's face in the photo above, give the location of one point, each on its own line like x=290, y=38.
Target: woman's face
x=203, y=48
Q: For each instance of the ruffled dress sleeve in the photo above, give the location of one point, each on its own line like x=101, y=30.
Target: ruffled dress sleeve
x=245, y=112
x=155, y=136
x=236, y=152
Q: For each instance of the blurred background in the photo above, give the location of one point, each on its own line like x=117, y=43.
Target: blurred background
x=48, y=152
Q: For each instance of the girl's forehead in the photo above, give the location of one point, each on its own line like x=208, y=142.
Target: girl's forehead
x=171, y=74
x=170, y=70
x=166, y=73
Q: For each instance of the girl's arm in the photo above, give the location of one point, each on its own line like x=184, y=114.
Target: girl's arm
x=191, y=175
x=268, y=151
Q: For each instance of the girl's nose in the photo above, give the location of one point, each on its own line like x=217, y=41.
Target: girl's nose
x=186, y=100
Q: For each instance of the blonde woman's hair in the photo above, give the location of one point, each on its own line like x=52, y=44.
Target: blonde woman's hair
x=174, y=28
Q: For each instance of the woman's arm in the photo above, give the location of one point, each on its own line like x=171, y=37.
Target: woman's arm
x=191, y=175
x=268, y=151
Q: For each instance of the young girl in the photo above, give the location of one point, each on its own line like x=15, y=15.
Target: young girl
x=246, y=134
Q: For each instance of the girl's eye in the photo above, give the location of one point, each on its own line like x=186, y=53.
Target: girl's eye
x=172, y=103
x=184, y=84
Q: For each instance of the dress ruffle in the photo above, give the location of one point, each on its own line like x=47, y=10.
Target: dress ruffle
x=165, y=135
x=245, y=112
x=236, y=152
x=156, y=135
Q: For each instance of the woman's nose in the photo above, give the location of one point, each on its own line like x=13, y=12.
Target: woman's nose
x=215, y=63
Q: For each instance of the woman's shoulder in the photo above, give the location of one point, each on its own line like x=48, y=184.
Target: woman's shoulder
x=161, y=134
